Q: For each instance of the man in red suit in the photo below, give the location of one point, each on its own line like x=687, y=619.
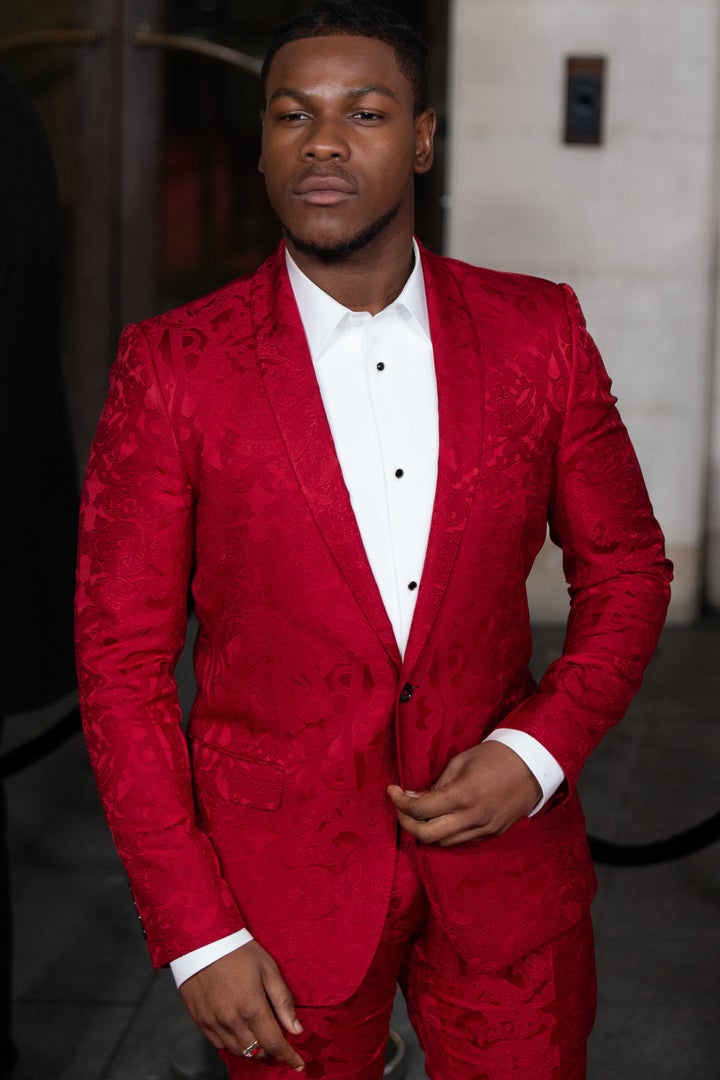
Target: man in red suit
x=353, y=456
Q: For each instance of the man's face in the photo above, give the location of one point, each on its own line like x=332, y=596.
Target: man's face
x=341, y=144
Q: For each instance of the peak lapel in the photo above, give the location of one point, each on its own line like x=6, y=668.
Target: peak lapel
x=292, y=389
x=460, y=385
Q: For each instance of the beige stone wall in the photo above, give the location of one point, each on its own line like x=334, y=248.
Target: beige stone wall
x=712, y=547
x=631, y=224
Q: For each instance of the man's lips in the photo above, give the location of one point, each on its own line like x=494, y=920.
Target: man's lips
x=324, y=190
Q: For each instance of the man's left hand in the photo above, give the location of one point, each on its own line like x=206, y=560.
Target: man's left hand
x=481, y=793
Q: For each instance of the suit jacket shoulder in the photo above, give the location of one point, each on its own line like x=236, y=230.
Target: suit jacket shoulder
x=213, y=316
x=503, y=284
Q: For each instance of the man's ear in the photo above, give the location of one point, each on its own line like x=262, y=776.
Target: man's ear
x=425, y=124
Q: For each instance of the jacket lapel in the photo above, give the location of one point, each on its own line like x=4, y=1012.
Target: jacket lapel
x=460, y=386
x=294, y=395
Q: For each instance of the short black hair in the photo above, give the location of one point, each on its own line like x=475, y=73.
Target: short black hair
x=358, y=19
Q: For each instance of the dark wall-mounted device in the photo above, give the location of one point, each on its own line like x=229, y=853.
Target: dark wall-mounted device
x=585, y=81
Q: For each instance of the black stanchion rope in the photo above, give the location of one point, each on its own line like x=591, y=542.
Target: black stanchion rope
x=674, y=847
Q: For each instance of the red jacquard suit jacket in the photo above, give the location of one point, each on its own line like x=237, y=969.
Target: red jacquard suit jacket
x=214, y=463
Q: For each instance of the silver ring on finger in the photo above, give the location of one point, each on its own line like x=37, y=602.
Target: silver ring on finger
x=251, y=1050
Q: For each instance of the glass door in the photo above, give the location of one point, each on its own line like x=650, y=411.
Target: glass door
x=151, y=107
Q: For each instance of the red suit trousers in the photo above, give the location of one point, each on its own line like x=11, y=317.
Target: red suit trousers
x=527, y=1021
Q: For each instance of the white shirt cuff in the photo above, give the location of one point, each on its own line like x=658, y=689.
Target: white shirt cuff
x=195, y=961
x=539, y=761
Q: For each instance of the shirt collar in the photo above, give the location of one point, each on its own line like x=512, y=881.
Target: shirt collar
x=321, y=314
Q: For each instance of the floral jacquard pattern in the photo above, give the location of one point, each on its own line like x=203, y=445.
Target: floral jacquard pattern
x=214, y=464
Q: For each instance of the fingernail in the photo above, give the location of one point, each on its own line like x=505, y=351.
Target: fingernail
x=297, y=1026
x=412, y=794
x=300, y=1068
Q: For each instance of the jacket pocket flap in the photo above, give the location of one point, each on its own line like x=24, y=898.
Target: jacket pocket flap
x=236, y=778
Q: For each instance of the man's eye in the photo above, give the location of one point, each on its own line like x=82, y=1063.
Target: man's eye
x=294, y=116
x=366, y=114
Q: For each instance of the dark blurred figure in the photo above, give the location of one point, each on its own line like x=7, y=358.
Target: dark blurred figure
x=40, y=478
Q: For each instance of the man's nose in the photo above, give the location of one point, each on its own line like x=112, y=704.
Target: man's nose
x=325, y=142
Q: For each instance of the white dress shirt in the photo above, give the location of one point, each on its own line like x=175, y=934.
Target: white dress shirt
x=377, y=380
x=376, y=376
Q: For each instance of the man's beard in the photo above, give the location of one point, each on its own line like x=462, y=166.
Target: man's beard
x=336, y=252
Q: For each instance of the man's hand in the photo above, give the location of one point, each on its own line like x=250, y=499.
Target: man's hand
x=243, y=997
x=481, y=793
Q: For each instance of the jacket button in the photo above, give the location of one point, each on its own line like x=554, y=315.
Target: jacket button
x=406, y=693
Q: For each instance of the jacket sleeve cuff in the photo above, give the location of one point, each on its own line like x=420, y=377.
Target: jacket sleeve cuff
x=539, y=761
x=189, y=964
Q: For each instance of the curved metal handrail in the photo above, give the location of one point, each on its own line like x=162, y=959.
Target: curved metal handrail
x=27, y=39
x=147, y=38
